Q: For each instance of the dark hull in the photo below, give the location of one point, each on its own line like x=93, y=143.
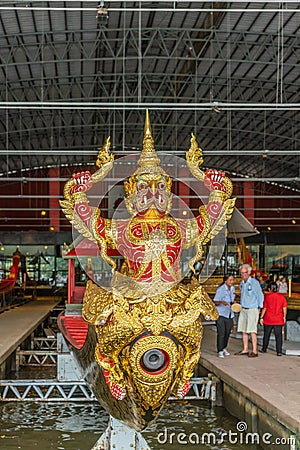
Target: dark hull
x=132, y=410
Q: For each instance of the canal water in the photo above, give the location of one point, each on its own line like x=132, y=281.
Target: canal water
x=73, y=426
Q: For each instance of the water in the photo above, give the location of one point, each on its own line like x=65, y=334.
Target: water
x=73, y=426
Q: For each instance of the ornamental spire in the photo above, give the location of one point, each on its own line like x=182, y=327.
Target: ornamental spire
x=149, y=161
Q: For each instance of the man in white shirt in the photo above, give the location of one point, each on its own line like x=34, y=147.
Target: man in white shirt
x=251, y=300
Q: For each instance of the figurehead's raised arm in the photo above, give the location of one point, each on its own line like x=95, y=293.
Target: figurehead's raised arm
x=218, y=211
x=81, y=182
x=86, y=219
x=214, y=180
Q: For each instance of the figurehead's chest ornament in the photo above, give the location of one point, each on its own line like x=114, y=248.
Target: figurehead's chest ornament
x=148, y=324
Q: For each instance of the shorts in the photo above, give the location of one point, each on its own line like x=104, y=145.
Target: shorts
x=248, y=320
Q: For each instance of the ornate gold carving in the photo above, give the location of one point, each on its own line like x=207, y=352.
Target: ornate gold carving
x=135, y=315
x=102, y=242
x=194, y=159
x=201, y=238
x=105, y=162
x=218, y=196
x=155, y=244
x=105, y=157
x=75, y=219
x=119, y=319
x=192, y=232
x=148, y=343
x=148, y=165
x=153, y=386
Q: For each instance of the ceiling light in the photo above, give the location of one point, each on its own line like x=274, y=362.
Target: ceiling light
x=215, y=107
x=269, y=228
x=293, y=221
x=102, y=14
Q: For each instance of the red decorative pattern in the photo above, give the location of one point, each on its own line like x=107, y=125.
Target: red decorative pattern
x=101, y=227
x=214, y=180
x=214, y=210
x=116, y=391
x=135, y=254
x=200, y=222
x=82, y=182
x=84, y=211
x=184, y=390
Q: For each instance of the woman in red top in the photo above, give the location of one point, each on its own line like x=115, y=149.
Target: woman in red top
x=273, y=316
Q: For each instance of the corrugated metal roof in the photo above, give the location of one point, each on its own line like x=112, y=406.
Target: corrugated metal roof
x=241, y=55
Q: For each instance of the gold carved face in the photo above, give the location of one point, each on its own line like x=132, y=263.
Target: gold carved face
x=149, y=191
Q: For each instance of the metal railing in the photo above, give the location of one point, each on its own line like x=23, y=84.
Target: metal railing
x=203, y=388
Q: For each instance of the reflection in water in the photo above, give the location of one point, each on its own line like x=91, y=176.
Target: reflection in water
x=73, y=426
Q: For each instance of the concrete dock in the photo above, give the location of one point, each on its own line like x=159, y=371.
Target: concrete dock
x=264, y=392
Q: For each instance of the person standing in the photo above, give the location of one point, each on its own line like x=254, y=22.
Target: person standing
x=282, y=286
x=273, y=317
x=251, y=301
x=223, y=299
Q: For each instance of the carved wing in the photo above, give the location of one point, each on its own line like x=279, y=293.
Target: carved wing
x=75, y=220
x=223, y=218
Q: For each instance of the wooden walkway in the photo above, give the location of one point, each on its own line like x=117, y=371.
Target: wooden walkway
x=18, y=323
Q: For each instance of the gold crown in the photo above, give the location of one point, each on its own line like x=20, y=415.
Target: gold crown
x=148, y=161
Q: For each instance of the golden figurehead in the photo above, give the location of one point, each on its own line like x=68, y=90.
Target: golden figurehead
x=145, y=331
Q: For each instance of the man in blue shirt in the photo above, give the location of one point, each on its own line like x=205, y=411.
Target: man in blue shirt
x=252, y=299
x=223, y=299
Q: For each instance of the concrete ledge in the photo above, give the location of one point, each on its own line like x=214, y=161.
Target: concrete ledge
x=264, y=392
x=267, y=427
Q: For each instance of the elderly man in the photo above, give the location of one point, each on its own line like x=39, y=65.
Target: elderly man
x=252, y=299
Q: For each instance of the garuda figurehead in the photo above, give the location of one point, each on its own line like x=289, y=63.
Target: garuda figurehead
x=146, y=327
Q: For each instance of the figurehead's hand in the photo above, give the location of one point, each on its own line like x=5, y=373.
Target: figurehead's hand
x=213, y=180
x=82, y=182
x=104, y=155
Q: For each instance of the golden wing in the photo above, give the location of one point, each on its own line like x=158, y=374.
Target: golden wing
x=209, y=231
x=227, y=210
x=75, y=220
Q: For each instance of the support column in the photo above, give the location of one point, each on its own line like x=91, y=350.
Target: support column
x=54, y=192
x=249, y=201
x=262, y=260
x=120, y=437
x=71, y=279
x=183, y=194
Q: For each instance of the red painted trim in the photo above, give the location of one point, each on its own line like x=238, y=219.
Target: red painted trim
x=54, y=191
x=74, y=329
